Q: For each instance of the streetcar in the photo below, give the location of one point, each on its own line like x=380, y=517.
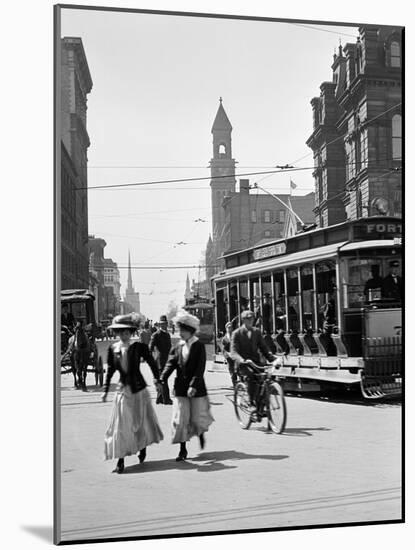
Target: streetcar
x=203, y=310
x=323, y=298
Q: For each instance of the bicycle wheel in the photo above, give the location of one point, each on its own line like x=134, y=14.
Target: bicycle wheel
x=241, y=404
x=277, y=410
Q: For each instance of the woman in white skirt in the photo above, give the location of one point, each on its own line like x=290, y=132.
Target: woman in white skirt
x=133, y=424
x=191, y=409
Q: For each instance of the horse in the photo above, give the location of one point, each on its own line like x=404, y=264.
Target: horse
x=80, y=350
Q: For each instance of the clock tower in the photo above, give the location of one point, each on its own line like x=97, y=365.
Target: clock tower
x=222, y=169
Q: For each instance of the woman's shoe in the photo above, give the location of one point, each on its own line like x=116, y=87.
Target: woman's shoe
x=202, y=441
x=182, y=456
x=119, y=467
x=142, y=455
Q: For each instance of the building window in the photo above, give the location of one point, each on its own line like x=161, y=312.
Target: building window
x=267, y=216
x=397, y=137
x=267, y=233
x=363, y=149
x=395, y=50
x=253, y=216
x=359, y=210
x=282, y=216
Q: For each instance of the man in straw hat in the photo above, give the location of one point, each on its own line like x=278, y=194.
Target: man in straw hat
x=160, y=344
x=191, y=410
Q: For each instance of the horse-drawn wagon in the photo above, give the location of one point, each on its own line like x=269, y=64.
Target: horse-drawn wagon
x=79, y=351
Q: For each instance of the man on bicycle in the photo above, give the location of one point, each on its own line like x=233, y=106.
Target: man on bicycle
x=246, y=343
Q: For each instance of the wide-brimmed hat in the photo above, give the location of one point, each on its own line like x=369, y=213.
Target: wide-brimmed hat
x=163, y=319
x=130, y=321
x=247, y=313
x=188, y=320
x=394, y=263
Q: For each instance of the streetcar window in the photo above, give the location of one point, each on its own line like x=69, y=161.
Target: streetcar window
x=293, y=305
x=279, y=295
x=243, y=295
x=254, y=295
x=267, y=317
x=365, y=279
x=326, y=286
x=307, y=297
x=233, y=301
x=220, y=310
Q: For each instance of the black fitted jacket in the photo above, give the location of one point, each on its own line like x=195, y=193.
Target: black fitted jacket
x=189, y=373
x=133, y=376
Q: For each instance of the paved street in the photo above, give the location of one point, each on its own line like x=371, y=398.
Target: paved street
x=338, y=461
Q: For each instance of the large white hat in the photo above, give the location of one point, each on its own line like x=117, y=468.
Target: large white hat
x=185, y=318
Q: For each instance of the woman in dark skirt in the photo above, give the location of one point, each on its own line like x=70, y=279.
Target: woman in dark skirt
x=133, y=424
x=191, y=408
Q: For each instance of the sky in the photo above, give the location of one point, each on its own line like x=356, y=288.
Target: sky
x=157, y=80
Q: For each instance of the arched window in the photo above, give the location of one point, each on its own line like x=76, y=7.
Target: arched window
x=395, y=54
x=222, y=149
x=397, y=137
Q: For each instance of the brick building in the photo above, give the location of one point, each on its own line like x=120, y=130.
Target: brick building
x=96, y=247
x=357, y=130
x=76, y=83
x=104, y=277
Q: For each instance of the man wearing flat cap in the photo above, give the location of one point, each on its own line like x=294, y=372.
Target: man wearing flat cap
x=160, y=345
x=392, y=283
x=246, y=343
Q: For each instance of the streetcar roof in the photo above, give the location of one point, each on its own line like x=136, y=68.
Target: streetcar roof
x=76, y=295
x=313, y=254
x=319, y=230
x=305, y=256
x=384, y=243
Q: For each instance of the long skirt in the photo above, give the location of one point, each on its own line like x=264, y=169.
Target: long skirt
x=191, y=416
x=133, y=424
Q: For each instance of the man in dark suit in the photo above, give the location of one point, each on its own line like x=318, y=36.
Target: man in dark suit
x=246, y=343
x=392, y=283
x=161, y=343
x=67, y=319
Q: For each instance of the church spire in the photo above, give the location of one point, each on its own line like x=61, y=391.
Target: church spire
x=221, y=121
x=188, y=292
x=130, y=279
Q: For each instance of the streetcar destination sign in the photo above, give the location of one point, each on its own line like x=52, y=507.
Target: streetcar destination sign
x=268, y=251
x=392, y=228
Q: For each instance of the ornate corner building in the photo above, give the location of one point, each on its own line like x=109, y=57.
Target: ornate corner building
x=357, y=130
x=76, y=84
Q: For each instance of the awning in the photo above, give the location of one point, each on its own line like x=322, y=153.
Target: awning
x=288, y=260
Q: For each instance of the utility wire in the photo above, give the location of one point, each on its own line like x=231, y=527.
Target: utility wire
x=118, y=185
x=321, y=30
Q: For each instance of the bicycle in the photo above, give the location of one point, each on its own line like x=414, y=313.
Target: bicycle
x=269, y=399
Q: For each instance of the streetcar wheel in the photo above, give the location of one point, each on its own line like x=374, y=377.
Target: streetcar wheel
x=277, y=410
x=101, y=372
x=241, y=404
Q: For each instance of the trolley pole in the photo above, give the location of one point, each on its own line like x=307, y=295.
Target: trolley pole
x=282, y=202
